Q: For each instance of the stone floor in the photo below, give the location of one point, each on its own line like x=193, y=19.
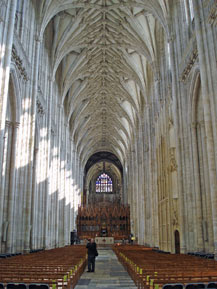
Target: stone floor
x=109, y=274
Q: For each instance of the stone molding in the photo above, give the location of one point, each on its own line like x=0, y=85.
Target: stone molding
x=19, y=64
x=53, y=132
x=170, y=123
x=9, y=123
x=22, y=53
x=191, y=61
x=173, y=163
x=38, y=38
x=193, y=125
x=2, y=3
x=40, y=97
x=175, y=220
x=201, y=123
x=16, y=124
x=212, y=18
x=40, y=108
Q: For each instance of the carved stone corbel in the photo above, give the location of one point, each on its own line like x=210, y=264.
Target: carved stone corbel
x=40, y=108
x=173, y=163
x=19, y=64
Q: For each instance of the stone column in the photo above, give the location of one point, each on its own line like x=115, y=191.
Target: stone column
x=157, y=91
x=141, y=176
x=58, y=207
x=6, y=152
x=73, y=186
x=154, y=179
x=135, y=190
x=124, y=183
x=187, y=11
x=33, y=244
x=151, y=199
x=76, y=189
x=200, y=146
x=48, y=156
x=207, y=203
x=132, y=192
x=32, y=135
x=56, y=197
x=197, y=190
x=5, y=59
x=148, y=172
x=208, y=96
x=178, y=149
x=78, y=180
x=69, y=189
x=65, y=214
x=11, y=192
x=23, y=24
x=81, y=178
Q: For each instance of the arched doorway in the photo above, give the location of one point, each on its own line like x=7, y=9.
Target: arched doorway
x=177, y=242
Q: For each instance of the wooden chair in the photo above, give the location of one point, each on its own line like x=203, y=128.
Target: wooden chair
x=152, y=270
x=52, y=269
x=16, y=286
x=212, y=285
x=195, y=286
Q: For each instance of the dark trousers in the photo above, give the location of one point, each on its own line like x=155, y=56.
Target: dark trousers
x=91, y=263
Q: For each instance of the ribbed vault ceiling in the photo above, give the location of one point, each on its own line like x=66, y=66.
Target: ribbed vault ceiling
x=104, y=54
x=103, y=157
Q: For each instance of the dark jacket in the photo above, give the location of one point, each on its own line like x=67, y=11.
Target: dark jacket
x=91, y=249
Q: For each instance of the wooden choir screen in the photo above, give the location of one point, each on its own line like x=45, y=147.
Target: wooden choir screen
x=105, y=221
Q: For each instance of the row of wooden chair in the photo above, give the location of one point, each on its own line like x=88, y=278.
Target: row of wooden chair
x=210, y=285
x=23, y=286
x=58, y=268
x=152, y=270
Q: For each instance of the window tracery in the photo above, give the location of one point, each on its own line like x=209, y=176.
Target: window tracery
x=104, y=184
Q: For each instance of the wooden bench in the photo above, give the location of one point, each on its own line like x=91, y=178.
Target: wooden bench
x=150, y=269
x=54, y=269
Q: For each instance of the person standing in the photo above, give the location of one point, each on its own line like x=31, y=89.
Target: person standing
x=92, y=253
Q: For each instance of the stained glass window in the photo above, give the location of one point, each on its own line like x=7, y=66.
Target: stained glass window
x=104, y=184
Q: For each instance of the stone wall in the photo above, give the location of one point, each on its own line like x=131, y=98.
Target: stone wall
x=41, y=179
x=173, y=187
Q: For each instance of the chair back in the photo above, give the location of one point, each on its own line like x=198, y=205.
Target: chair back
x=16, y=286
x=173, y=286
x=195, y=286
